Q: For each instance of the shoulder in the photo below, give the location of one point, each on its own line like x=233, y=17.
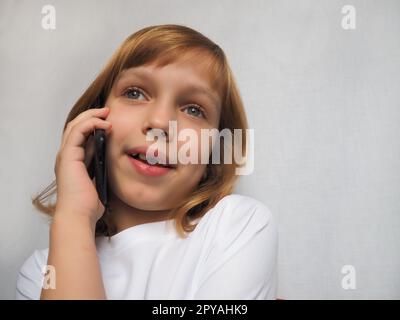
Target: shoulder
x=235, y=213
x=30, y=277
x=240, y=241
x=235, y=220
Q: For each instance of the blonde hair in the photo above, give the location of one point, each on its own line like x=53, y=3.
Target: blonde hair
x=164, y=44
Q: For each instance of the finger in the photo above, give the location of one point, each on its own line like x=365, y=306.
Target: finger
x=79, y=135
x=89, y=150
x=99, y=113
x=96, y=112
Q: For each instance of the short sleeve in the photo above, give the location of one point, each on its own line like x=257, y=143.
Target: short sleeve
x=242, y=264
x=30, y=278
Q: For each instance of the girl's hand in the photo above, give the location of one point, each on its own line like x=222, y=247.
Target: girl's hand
x=76, y=192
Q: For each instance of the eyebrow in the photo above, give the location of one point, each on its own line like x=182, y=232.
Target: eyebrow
x=191, y=90
x=202, y=90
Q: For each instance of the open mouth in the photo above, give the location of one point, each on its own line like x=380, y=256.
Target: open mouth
x=142, y=158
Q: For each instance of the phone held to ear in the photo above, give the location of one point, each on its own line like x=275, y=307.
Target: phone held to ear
x=97, y=167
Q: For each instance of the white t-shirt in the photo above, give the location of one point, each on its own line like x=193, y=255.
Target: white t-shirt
x=231, y=254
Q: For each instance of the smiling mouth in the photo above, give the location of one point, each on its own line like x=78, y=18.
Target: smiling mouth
x=142, y=158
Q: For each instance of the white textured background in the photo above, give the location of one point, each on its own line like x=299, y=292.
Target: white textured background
x=324, y=103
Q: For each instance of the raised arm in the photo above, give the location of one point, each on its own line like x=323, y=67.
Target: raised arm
x=72, y=251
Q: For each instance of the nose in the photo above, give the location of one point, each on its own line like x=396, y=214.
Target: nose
x=158, y=117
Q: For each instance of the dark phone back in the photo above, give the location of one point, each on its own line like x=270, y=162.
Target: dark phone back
x=98, y=168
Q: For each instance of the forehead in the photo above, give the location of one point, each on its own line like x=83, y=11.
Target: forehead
x=199, y=62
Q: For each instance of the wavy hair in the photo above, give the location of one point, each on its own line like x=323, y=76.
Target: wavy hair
x=163, y=44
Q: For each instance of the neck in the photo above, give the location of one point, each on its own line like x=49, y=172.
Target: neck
x=125, y=216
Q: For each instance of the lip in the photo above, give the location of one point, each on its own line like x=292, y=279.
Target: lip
x=148, y=170
x=157, y=153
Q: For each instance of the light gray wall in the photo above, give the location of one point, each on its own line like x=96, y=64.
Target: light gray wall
x=324, y=103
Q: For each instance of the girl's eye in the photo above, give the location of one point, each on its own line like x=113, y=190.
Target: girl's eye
x=133, y=93
x=195, y=111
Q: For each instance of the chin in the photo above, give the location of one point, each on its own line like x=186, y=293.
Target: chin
x=146, y=198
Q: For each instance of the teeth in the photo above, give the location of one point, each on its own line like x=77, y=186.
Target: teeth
x=143, y=157
x=139, y=156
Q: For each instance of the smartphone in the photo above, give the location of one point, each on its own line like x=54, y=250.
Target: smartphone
x=98, y=168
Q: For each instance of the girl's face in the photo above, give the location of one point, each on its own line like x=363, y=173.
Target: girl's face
x=144, y=98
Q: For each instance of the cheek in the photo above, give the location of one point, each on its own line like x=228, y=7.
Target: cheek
x=191, y=174
x=196, y=140
x=125, y=132
x=125, y=123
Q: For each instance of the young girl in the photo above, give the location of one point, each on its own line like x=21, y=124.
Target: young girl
x=171, y=231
